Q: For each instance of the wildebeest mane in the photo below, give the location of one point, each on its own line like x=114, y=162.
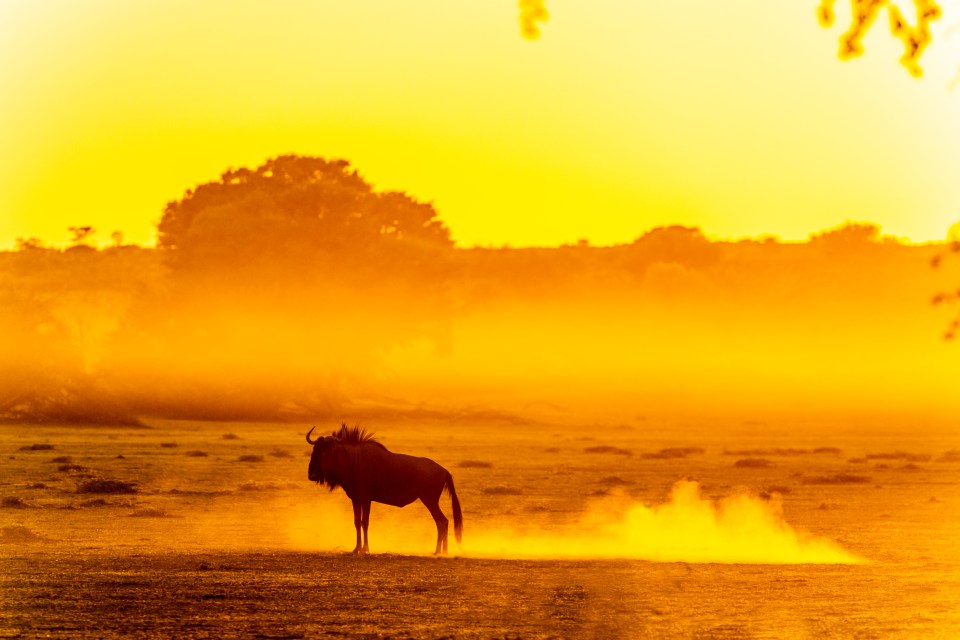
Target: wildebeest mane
x=357, y=435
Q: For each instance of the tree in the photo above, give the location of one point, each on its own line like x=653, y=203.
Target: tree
x=57, y=311
x=80, y=234
x=685, y=246
x=285, y=281
x=296, y=207
x=915, y=38
x=948, y=297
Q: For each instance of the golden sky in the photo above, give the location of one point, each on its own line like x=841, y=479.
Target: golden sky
x=733, y=116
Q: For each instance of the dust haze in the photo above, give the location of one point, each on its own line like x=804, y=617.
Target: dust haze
x=661, y=431
x=739, y=529
x=298, y=289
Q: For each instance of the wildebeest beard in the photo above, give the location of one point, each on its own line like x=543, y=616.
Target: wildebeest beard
x=316, y=471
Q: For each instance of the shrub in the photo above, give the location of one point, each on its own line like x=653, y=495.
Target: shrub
x=475, y=464
x=72, y=467
x=609, y=449
x=837, y=478
x=681, y=452
x=753, y=463
x=900, y=455
x=149, y=512
x=99, y=485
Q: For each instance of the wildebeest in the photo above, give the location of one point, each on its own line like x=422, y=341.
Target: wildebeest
x=368, y=472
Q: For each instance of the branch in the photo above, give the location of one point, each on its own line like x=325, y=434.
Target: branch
x=915, y=38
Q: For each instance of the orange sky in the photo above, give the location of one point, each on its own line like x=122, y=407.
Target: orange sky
x=736, y=117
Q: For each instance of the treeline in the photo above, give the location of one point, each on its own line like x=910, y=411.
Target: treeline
x=296, y=288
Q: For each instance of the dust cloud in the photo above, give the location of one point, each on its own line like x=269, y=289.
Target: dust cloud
x=737, y=529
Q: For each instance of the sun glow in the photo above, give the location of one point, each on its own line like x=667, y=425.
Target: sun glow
x=733, y=117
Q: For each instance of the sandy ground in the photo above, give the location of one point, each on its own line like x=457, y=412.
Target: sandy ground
x=237, y=543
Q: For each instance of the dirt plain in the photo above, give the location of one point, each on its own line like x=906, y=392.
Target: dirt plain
x=222, y=535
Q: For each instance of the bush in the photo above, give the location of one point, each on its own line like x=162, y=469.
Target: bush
x=66, y=468
x=900, y=455
x=475, y=464
x=37, y=447
x=149, y=512
x=608, y=449
x=837, y=478
x=106, y=486
x=753, y=463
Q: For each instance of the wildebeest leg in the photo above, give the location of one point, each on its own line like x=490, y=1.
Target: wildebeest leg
x=365, y=520
x=356, y=524
x=441, y=520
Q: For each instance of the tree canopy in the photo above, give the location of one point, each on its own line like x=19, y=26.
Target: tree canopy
x=915, y=37
x=293, y=209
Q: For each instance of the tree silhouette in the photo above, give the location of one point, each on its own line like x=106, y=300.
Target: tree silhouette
x=915, y=37
x=284, y=281
x=80, y=234
x=292, y=211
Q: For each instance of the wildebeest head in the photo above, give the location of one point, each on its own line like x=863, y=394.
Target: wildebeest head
x=321, y=447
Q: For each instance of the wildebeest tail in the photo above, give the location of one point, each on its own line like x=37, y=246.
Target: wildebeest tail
x=457, y=515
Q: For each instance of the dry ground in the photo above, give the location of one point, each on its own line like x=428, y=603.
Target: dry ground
x=237, y=543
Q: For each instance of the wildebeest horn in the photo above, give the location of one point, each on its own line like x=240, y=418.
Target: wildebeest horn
x=309, y=441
